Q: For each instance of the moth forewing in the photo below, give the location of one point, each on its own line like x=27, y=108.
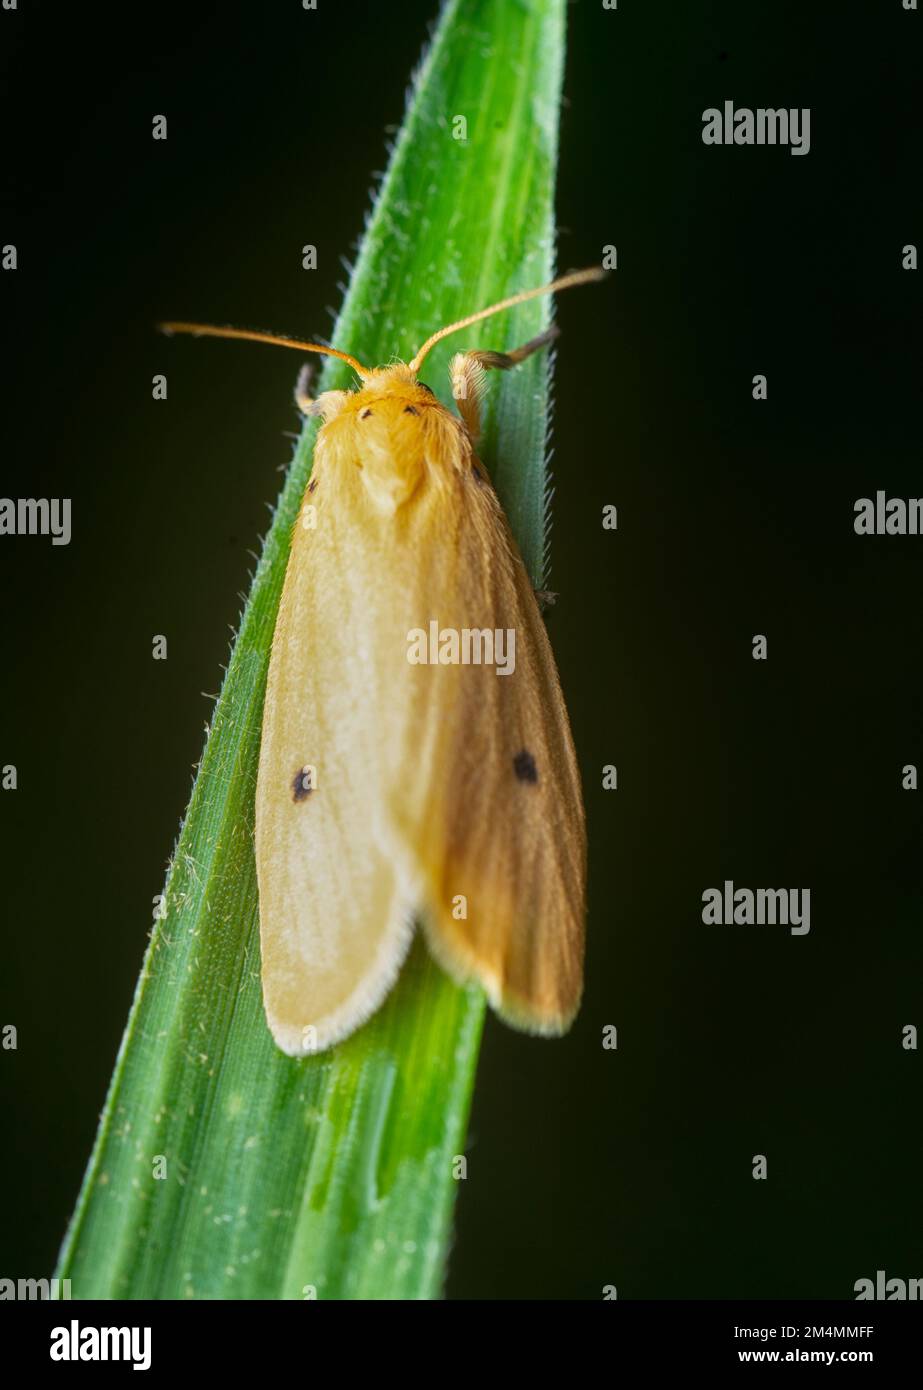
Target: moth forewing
x=335, y=912
x=502, y=829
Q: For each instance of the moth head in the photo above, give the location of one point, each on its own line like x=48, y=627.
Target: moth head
x=384, y=393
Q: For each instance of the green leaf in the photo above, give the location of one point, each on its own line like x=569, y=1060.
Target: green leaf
x=334, y=1173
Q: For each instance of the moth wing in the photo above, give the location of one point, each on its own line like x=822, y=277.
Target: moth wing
x=336, y=910
x=489, y=806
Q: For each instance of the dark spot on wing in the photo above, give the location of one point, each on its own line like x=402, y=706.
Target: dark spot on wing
x=428, y=389
x=301, y=785
x=411, y=410
x=366, y=413
x=524, y=767
x=312, y=485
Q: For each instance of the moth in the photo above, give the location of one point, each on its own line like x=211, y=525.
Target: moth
x=416, y=762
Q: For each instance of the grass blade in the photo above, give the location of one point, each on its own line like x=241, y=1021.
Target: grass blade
x=333, y=1173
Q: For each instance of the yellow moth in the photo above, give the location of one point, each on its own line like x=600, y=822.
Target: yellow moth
x=416, y=760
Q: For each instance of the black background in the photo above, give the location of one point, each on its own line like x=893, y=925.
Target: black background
x=592, y=1167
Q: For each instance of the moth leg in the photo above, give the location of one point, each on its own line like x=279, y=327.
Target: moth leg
x=303, y=398
x=466, y=374
x=327, y=404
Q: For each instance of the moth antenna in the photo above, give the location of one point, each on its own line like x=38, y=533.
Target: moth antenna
x=206, y=330
x=573, y=277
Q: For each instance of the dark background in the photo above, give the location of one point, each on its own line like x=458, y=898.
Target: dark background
x=631, y=1167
